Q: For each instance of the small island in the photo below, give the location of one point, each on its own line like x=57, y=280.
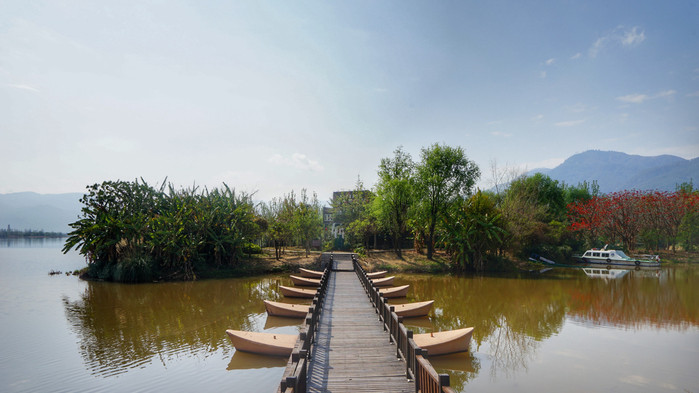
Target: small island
x=134, y=232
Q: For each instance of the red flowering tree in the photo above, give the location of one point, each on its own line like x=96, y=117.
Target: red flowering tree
x=625, y=215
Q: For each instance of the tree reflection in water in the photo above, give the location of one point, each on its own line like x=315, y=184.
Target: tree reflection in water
x=122, y=326
x=512, y=316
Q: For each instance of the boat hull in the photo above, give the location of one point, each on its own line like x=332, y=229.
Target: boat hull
x=618, y=262
x=286, y=309
x=383, y=282
x=394, y=291
x=417, y=309
x=310, y=273
x=304, y=282
x=263, y=343
x=377, y=274
x=442, y=343
x=297, y=292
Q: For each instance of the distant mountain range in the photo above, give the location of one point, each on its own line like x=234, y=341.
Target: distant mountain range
x=613, y=171
x=48, y=212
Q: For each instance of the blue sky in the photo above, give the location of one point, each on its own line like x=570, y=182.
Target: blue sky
x=271, y=96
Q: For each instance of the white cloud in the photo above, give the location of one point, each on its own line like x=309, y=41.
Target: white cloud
x=25, y=87
x=500, y=133
x=576, y=56
x=550, y=61
x=633, y=98
x=298, y=161
x=620, y=36
x=569, y=123
x=538, y=117
x=633, y=37
x=594, y=50
x=640, y=98
x=694, y=94
x=542, y=75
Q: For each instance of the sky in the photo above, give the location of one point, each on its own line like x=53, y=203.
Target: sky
x=274, y=96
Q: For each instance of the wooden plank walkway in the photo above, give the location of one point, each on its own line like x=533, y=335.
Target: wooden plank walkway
x=352, y=352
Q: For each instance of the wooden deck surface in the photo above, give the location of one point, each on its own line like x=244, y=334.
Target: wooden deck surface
x=352, y=352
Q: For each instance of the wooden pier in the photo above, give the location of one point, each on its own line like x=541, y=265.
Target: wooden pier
x=352, y=352
x=353, y=341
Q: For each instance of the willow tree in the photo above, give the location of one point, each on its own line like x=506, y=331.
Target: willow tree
x=443, y=176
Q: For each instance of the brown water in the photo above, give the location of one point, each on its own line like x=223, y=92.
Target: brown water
x=558, y=331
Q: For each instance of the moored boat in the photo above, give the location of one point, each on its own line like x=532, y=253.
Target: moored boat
x=616, y=257
x=297, y=292
x=304, y=282
x=442, y=343
x=310, y=273
x=377, y=274
x=263, y=343
x=416, y=309
x=383, y=282
x=391, y=292
x=286, y=309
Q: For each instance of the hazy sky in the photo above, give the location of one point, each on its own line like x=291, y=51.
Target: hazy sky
x=271, y=96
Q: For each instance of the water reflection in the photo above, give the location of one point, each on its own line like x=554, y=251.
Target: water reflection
x=121, y=327
x=125, y=326
x=664, y=299
x=513, y=316
x=32, y=242
x=246, y=361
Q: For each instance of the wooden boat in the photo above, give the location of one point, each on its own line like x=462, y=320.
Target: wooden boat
x=400, y=291
x=383, y=282
x=304, y=282
x=298, y=292
x=263, y=343
x=416, y=309
x=310, y=273
x=377, y=274
x=442, y=343
x=286, y=309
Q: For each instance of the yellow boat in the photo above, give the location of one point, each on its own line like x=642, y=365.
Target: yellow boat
x=442, y=343
x=298, y=292
x=391, y=292
x=286, y=309
x=263, y=343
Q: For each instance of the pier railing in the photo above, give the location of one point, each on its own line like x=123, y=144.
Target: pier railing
x=417, y=367
x=294, y=377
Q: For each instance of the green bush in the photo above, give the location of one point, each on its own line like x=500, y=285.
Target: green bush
x=252, y=248
x=134, y=269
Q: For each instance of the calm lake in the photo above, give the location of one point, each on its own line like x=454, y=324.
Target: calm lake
x=561, y=330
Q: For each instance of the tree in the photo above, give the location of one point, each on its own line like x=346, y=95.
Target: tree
x=307, y=220
x=525, y=219
x=443, y=175
x=352, y=210
x=395, y=195
x=547, y=192
x=279, y=214
x=473, y=228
